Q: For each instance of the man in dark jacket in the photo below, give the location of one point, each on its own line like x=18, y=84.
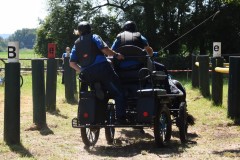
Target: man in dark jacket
x=88, y=59
x=130, y=36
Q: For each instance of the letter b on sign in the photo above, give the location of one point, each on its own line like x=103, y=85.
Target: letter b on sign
x=13, y=52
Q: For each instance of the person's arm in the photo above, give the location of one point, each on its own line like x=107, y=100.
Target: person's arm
x=73, y=60
x=149, y=50
x=75, y=66
x=107, y=51
x=115, y=44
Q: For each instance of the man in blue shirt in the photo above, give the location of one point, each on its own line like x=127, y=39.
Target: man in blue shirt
x=65, y=54
x=130, y=36
x=88, y=59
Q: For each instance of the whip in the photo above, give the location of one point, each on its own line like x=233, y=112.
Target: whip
x=212, y=16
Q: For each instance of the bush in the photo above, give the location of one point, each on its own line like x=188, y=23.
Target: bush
x=175, y=62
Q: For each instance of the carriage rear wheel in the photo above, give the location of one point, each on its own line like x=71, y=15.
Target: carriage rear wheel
x=182, y=122
x=90, y=136
x=162, y=126
x=109, y=134
x=110, y=131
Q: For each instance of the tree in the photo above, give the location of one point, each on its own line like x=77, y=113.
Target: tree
x=64, y=17
x=162, y=22
x=3, y=44
x=26, y=37
x=226, y=28
x=58, y=26
x=107, y=27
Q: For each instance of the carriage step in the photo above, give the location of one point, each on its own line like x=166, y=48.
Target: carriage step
x=76, y=124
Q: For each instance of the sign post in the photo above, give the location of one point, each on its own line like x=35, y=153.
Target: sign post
x=51, y=83
x=51, y=50
x=13, y=52
x=12, y=96
x=217, y=49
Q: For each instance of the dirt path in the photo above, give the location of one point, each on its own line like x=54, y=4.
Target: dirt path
x=212, y=137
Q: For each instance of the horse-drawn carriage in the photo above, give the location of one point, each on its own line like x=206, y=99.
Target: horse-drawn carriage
x=148, y=103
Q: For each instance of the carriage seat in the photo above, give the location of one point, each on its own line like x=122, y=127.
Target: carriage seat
x=135, y=59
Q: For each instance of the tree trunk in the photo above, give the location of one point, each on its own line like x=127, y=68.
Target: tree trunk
x=150, y=23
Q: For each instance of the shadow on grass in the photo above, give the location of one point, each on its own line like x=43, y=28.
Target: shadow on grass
x=43, y=129
x=136, y=143
x=58, y=114
x=190, y=136
x=46, y=131
x=21, y=150
x=72, y=101
x=229, y=152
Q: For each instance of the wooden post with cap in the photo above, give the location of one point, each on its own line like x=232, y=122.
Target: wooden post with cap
x=12, y=96
x=51, y=82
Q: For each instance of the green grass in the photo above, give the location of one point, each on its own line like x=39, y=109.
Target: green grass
x=23, y=54
x=61, y=141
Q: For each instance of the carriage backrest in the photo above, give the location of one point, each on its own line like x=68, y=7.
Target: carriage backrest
x=133, y=53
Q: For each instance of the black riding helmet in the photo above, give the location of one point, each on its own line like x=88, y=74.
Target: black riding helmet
x=84, y=27
x=130, y=26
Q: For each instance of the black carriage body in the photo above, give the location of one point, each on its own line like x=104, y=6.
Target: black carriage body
x=146, y=109
x=91, y=109
x=148, y=103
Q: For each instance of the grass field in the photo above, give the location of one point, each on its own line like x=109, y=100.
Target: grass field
x=214, y=136
x=23, y=54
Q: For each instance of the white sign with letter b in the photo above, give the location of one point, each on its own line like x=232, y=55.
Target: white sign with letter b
x=13, y=52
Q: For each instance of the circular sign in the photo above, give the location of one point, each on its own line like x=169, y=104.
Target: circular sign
x=216, y=48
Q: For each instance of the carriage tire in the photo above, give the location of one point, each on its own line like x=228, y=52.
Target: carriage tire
x=182, y=122
x=90, y=136
x=162, y=126
x=110, y=131
x=109, y=134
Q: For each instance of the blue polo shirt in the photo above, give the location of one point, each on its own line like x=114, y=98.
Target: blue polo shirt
x=129, y=63
x=99, y=58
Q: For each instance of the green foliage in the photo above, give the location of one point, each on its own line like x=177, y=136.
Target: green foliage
x=107, y=27
x=3, y=44
x=26, y=37
x=160, y=21
x=58, y=26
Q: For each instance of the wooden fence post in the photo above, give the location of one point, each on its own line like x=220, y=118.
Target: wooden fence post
x=70, y=82
x=51, y=85
x=12, y=104
x=204, y=75
x=234, y=88
x=195, y=78
x=217, y=81
x=38, y=89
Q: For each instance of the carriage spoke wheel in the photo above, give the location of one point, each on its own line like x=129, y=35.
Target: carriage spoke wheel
x=109, y=134
x=182, y=122
x=162, y=126
x=110, y=131
x=90, y=136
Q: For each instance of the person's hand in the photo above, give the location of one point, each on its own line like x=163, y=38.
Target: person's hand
x=119, y=56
